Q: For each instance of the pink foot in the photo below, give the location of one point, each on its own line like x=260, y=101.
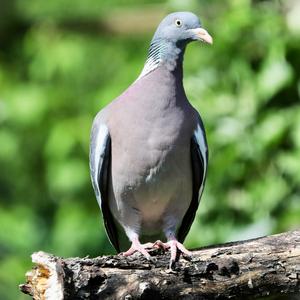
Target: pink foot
x=160, y=245
x=173, y=245
x=136, y=246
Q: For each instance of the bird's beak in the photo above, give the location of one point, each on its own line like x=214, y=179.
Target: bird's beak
x=202, y=35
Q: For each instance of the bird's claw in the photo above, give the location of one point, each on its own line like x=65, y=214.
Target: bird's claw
x=173, y=245
x=160, y=245
x=136, y=246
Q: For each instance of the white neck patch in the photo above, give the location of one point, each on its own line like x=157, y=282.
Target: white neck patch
x=150, y=65
x=160, y=52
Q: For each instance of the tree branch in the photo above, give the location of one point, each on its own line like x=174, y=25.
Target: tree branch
x=247, y=269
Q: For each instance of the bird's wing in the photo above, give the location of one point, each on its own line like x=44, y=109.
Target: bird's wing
x=100, y=167
x=199, y=159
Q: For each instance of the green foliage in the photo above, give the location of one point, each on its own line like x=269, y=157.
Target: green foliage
x=59, y=65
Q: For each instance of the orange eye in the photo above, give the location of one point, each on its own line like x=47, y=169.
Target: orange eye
x=178, y=23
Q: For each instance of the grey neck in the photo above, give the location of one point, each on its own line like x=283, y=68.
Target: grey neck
x=164, y=53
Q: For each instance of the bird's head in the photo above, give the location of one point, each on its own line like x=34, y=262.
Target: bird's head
x=172, y=35
x=181, y=28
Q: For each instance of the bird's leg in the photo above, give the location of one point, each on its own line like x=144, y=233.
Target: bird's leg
x=136, y=246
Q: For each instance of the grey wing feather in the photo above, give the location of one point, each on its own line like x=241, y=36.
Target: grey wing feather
x=199, y=159
x=100, y=167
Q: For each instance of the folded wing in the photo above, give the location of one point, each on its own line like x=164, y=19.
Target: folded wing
x=100, y=167
x=199, y=159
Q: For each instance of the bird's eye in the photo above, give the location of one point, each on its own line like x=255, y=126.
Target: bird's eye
x=178, y=23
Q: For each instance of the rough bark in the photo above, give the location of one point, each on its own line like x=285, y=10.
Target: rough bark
x=248, y=269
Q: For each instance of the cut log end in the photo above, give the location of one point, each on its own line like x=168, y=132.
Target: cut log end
x=247, y=269
x=45, y=280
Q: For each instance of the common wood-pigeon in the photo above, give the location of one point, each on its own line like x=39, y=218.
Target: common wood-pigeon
x=148, y=152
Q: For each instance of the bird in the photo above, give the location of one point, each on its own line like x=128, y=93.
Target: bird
x=148, y=149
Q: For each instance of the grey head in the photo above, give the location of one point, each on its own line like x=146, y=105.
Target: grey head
x=172, y=35
x=181, y=28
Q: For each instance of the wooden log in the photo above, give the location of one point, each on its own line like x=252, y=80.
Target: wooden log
x=267, y=266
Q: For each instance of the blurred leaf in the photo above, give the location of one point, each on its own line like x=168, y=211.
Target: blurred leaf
x=67, y=177
x=276, y=73
x=26, y=105
x=19, y=232
x=76, y=228
x=289, y=164
x=9, y=145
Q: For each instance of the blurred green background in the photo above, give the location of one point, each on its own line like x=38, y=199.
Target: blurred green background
x=62, y=60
